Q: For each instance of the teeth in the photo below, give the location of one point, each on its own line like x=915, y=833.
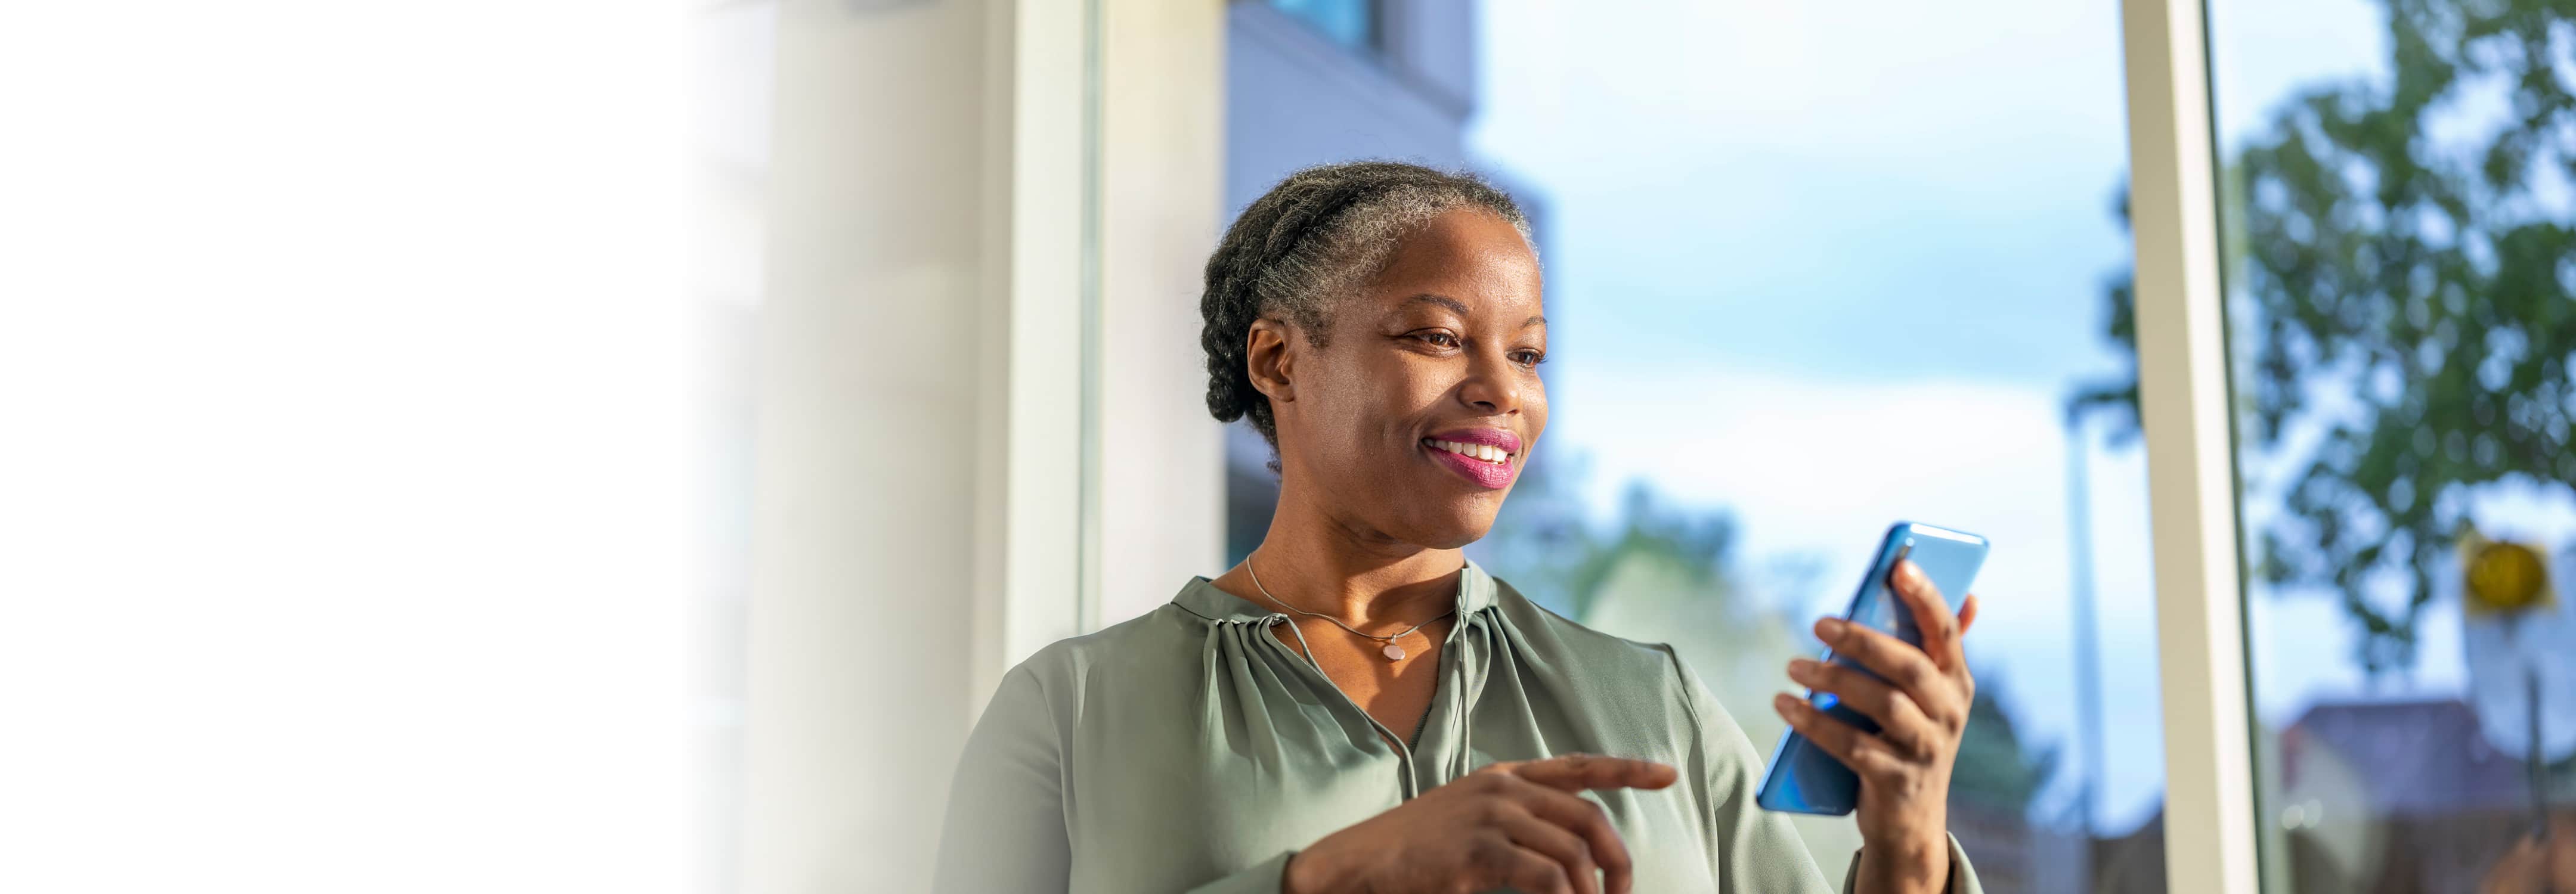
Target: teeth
x=1482, y=452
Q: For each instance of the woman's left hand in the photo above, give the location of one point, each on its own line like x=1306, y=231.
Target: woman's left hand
x=1920, y=700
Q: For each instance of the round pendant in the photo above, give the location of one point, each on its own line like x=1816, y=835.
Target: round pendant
x=1394, y=652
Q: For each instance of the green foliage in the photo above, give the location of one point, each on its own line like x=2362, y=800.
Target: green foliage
x=2405, y=279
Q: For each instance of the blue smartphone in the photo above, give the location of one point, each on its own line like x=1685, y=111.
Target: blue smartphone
x=1805, y=779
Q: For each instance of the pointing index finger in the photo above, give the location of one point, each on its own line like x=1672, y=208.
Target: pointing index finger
x=1573, y=772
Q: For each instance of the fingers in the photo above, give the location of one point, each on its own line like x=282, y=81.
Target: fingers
x=1578, y=817
x=1556, y=843
x=1576, y=772
x=1967, y=619
x=1901, y=722
x=1865, y=754
x=1937, y=692
x=1587, y=820
x=1931, y=614
x=1500, y=859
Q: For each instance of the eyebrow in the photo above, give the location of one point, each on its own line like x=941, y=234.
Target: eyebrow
x=1454, y=305
x=1460, y=308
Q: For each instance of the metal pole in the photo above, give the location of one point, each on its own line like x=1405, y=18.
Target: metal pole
x=2088, y=657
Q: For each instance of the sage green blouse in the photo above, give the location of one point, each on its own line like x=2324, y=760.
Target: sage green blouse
x=1190, y=750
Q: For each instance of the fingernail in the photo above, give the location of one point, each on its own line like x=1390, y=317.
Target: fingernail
x=1913, y=572
x=1829, y=628
x=1801, y=667
x=1781, y=701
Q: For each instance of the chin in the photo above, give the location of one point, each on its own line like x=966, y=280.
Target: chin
x=1455, y=526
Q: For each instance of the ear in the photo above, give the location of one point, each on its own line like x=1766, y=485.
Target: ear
x=1268, y=358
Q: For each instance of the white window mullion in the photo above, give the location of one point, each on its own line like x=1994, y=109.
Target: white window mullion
x=2183, y=407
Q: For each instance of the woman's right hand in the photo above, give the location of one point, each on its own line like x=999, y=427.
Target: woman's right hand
x=1516, y=825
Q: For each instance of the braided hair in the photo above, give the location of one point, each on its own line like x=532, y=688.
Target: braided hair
x=1305, y=244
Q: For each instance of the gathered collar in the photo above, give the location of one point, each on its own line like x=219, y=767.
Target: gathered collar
x=1203, y=598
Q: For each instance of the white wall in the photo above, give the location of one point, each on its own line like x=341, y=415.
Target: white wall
x=871, y=360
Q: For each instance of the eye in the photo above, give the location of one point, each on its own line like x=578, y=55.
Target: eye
x=1529, y=357
x=1437, y=337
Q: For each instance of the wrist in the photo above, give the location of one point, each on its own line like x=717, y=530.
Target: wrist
x=1908, y=864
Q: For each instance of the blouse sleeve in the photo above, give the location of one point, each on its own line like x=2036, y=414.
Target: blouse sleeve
x=1757, y=849
x=1005, y=827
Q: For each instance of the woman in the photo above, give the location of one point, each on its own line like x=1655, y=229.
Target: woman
x=1356, y=707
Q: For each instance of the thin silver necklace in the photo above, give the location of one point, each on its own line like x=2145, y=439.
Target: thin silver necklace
x=1392, y=651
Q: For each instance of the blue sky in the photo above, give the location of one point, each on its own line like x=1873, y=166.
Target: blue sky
x=1786, y=237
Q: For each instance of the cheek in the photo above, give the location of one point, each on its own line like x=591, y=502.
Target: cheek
x=1389, y=394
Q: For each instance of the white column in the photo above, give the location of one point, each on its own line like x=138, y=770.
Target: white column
x=917, y=392
x=2183, y=398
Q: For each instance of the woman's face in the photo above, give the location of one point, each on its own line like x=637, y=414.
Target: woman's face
x=1419, y=413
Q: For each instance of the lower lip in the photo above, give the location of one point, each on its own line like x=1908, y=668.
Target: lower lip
x=1491, y=476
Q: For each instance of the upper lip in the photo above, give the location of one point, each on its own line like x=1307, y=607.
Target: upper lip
x=1499, y=437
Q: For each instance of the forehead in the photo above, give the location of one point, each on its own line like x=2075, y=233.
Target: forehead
x=1469, y=254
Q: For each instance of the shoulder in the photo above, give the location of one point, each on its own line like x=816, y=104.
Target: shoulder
x=1155, y=637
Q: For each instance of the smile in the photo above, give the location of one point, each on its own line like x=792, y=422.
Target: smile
x=1486, y=465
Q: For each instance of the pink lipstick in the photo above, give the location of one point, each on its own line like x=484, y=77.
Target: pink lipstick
x=1487, y=456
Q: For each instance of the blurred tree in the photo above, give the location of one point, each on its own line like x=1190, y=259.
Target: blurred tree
x=1996, y=770
x=2403, y=265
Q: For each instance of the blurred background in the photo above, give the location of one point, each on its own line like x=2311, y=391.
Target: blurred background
x=590, y=446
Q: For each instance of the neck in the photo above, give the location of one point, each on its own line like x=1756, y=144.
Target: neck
x=1321, y=563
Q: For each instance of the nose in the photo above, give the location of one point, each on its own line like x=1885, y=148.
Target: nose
x=1493, y=384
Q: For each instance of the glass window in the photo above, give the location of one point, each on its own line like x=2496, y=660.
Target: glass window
x=1350, y=23
x=1808, y=275
x=2400, y=260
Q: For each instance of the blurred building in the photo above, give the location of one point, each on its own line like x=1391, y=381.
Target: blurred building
x=2398, y=797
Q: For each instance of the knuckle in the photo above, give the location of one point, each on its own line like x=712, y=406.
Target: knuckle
x=1919, y=673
